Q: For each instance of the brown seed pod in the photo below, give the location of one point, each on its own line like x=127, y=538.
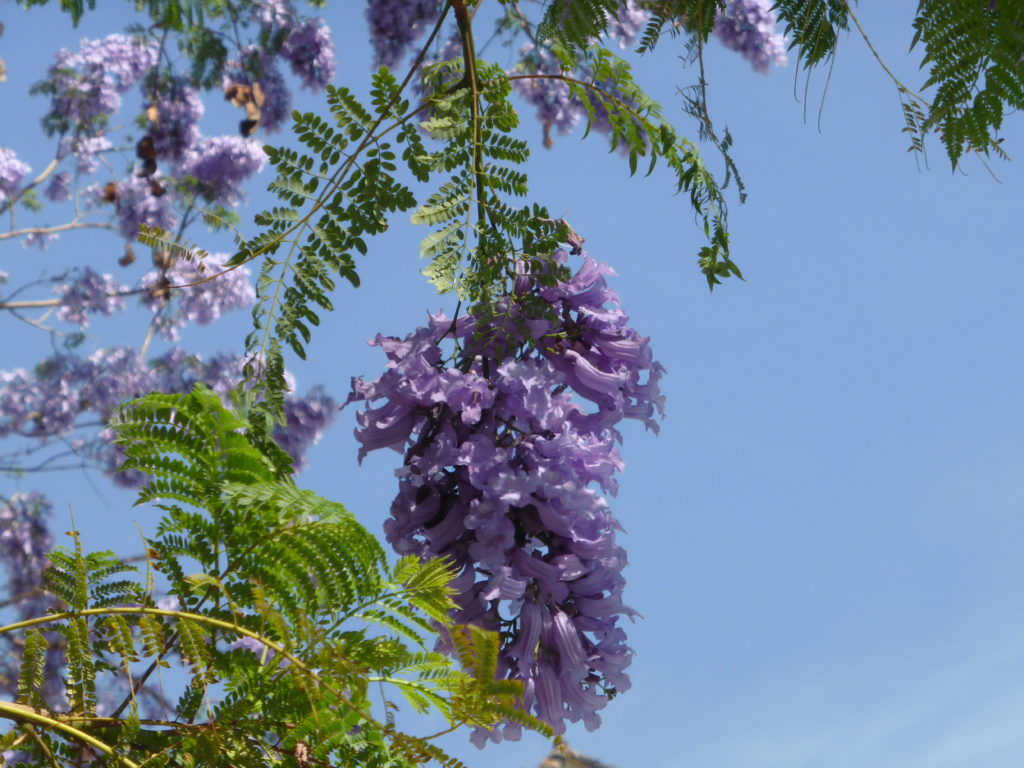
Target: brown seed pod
x=109, y=192
x=248, y=127
x=148, y=167
x=129, y=255
x=258, y=98
x=162, y=259
x=145, y=149
x=237, y=94
x=155, y=189
x=161, y=289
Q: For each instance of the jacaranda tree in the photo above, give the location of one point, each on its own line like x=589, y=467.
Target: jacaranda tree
x=504, y=608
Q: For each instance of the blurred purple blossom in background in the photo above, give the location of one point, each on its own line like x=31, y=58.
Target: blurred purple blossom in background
x=137, y=203
x=310, y=51
x=219, y=291
x=89, y=293
x=86, y=150
x=306, y=420
x=273, y=14
x=25, y=542
x=12, y=171
x=555, y=104
x=749, y=28
x=626, y=25
x=49, y=401
x=178, y=111
x=88, y=85
x=59, y=188
x=221, y=164
x=397, y=24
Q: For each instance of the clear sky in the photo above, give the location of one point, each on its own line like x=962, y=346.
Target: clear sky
x=825, y=540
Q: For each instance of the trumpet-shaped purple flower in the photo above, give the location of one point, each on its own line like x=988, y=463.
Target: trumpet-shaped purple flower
x=310, y=51
x=87, y=85
x=627, y=24
x=142, y=200
x=273, y=14
x=395, y=25
x=49, y=401
x=25, y=540
x=556, y=106
x=210, y=290
x=306, y=418
x=86, y=150
x=217, y=166
x=89, y=293
x=507, y=460
x=59, y=188
x=749, y=28
x=177, y=110
x=12, y=171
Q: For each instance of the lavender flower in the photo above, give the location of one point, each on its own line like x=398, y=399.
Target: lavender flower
x=395, y=25
x=556, y=106
x=39, y=404
x=310, y=51
x=59, y=188
x=89, y=293
x=220, y=291
x=749, y=27
x=49, y=401
x=506, y=467
x=177, y=109
x=25, y=542
x=626, y=25
x=273, y=14
x=40, y=239
x=86, y=150
x=216, y=167
x=12, y=171
x=138, y=202
x=87, y=85
x=306, y=420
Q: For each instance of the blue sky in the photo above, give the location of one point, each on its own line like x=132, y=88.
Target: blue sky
x=825, y=538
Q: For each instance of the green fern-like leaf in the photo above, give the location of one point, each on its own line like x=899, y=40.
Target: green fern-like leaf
x=31, y=676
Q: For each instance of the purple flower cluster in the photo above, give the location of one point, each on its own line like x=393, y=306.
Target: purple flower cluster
x=48, y=402
x=555, y=104
x=509, y=447
x=89, y=293
x=137, y=203
x=86, y=150
x=212, y=290
x=273, y=14
x=306, y=420
x=749, y=28
x=59, y=188
x=176, y=111
x=12, y=171
x=397, y=24
x=310, y=51
x=25, y=542
x=626, y=25
x=216, y=167
x=88, y=85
